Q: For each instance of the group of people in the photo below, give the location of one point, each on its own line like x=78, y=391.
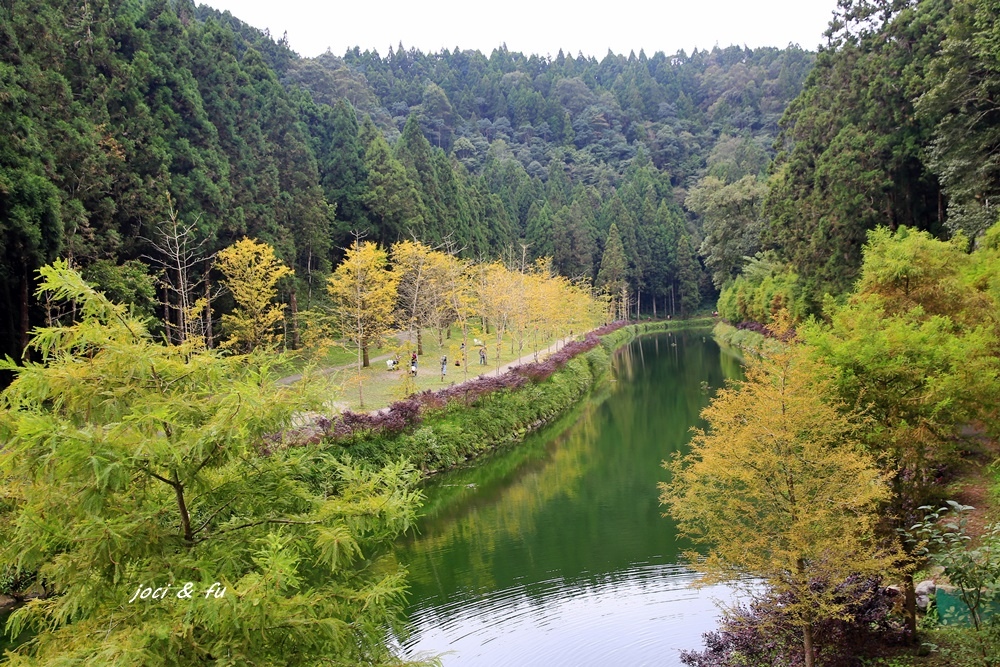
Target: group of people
x=393, y=363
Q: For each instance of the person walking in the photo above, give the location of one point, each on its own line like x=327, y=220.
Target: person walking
x=482, y=356
x=444, y=367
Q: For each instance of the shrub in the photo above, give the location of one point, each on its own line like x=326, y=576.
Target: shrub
x=761, y=635
x=765, y=288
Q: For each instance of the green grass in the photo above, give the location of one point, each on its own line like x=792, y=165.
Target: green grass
x=330, y=357
x=458, y=432
x=745, y=340
x=944, y=647
x=380, y=387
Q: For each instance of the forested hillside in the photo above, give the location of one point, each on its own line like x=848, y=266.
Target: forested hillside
x=142, y=136
x=897, y=125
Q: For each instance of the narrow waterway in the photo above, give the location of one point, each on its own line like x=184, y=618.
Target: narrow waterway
x=555, y=552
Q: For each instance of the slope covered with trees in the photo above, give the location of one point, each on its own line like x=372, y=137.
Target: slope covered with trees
x=140, y=137
x=897, y=125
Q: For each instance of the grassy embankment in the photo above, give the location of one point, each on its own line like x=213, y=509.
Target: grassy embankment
x=450, y=429
x=744, y=340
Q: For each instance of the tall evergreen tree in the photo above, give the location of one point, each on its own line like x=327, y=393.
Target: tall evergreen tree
x=572, y=236
x=391, y=197
x=341, y=158
x=538, y=234
x=688, y=276
x=962, y=101
x=855, y=156
x=614, y=265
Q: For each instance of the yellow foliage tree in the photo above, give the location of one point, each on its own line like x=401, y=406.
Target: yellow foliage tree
x=779, y=489
x=459, y=297
x=363, y=290
x=411, y=260
x=251, y=273
x=497, y=295
x=423, y=284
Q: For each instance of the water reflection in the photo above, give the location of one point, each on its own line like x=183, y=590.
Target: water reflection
x=556, y=552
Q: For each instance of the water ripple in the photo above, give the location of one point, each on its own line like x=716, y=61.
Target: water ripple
x=648, y=613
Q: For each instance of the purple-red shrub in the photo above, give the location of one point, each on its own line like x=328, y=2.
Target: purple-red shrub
x=406, y=413
x=608, y=328
x=761, y=635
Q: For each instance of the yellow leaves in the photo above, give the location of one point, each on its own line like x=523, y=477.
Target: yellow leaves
x=777, y=486
x=426, y=278
x=910, y=269
x=251, y=274
x=531, y=301
x=129, y=462
x=364, y=293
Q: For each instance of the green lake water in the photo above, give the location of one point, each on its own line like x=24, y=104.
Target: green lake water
x=555, y=551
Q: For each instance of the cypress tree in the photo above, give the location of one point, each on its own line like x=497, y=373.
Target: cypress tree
x=614, y=264
x=539, y=231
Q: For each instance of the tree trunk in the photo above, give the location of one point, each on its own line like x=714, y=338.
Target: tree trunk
x=166, y=314
x=25, y=324
x=420, y=343
x=208, y=313
x=294, y=304
x=910, y=607
x=807, y=644
x=309, y=278
x=364, y=357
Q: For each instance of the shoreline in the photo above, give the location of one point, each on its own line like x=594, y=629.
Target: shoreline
x=446, y=429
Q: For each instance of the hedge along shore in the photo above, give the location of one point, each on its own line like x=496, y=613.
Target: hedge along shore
x=745, y=340
x=439, y=430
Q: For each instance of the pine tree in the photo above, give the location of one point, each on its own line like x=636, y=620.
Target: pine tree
x=539, y=231
x=614, y=268
x=688, y=276
x=572, y=236
x=415, y=153
x=341, y=158
x=390, y=195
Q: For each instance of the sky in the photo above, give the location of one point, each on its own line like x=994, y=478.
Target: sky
x=536, y=26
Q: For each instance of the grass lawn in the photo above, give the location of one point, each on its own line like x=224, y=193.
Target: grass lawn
x=333, y=356
x=381, y=387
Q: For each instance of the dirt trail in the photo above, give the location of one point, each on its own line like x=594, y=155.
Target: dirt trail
x=484, y=370
x=291, y=379
x=973, y=486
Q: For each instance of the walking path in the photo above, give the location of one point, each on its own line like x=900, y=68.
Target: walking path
x=473, y=363
x=526, y=359
x=291, y=379
x=402, y=337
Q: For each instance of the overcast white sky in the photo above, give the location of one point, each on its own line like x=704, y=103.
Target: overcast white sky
x=536, y=26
